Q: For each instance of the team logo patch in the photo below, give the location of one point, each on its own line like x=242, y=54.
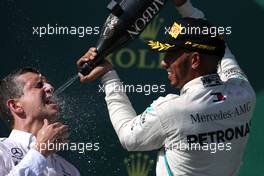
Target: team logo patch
x=17, y=152
x=211, y=80
x=218, y=96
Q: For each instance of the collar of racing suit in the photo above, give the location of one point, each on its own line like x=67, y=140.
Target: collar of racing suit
x=202, y=81
x=22, y=137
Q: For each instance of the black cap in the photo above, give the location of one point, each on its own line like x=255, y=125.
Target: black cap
x=193, y=35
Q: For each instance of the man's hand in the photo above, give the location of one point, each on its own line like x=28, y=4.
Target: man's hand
x=51, y=134
x=179, y=3
x=98, y=71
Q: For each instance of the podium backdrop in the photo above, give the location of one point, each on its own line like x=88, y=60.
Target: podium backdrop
x=83, y=105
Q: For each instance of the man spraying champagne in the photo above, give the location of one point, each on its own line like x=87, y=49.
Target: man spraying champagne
x=204, y=130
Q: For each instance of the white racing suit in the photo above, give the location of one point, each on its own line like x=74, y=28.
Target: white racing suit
x=18, y=159
x=201, y=132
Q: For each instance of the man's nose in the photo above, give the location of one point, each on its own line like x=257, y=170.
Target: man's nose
x=48, y=88
x=163, y=65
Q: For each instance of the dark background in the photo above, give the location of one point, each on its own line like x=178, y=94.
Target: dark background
x=84, y=108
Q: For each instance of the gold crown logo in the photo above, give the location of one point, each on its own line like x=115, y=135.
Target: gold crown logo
x=138, y=165
x=156, y=45
x=152, y=29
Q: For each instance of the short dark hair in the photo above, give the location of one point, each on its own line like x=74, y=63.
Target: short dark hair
x=10, y=88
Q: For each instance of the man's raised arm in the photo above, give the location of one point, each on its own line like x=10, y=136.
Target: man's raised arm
x=228, y=68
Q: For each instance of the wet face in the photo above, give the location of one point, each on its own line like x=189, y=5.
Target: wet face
x=178, y=65
x=37, y=100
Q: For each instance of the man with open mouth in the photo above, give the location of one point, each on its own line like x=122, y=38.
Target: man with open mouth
x=29, y=108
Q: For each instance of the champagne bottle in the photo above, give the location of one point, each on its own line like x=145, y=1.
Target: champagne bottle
x=126, y=21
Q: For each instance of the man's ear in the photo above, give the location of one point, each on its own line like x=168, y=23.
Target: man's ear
x=15, y=107
x=196, y=60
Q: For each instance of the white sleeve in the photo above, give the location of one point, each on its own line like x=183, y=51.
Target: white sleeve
x=136, y=133
x=229, y=68
x=187, y=10
x=32, y=164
